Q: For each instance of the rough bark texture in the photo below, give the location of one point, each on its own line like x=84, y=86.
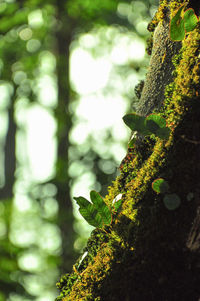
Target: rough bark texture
x=150, y=252
x=160, y=71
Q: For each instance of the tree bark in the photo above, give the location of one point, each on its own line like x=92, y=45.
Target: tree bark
x=63, y=39
x=9, y=158
x=150, y=252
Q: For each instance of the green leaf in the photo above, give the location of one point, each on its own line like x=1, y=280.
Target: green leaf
x=157, y=119
x=157, y=125
x=91, y=215
x=152, y=124
x=160, y=185
x=89, y=212
x=96, y=213
x=177, y=30
x=82, y=202
x=172, y=201
x=190, y=20
x=135, y=122
x=101, y=207
x=163, y=133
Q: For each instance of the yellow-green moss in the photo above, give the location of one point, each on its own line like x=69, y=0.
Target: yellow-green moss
x=92, y=276
x=186, y=80
x=159, y=16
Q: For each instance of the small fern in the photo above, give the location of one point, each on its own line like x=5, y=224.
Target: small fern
x=96, y=212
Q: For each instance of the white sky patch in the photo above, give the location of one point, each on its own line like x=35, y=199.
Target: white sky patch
x=23, y=237
x=35, y=18
x=41, y=142
x=96, y=115
x=47, y=62
x=118, y=55
x=47, y=92
x=30, y=262
x=51, y=235
x=6, y=91
x=127, y=48
x=87, y=74
x=79, y=133
x=136, y=50
x=101, y=112
x=88, y=40
x=22, y=203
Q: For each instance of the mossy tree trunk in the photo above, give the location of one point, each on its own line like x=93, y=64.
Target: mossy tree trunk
x=150, y=252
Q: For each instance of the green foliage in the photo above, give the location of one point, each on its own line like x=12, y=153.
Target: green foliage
x=172, y=201
x=135, y=122
x=190, y=20
x=160, y=185
x=89, y=10
x=182, y=23
x=101, y=207
x=152, y=124
x=177, y=31
x=157, y=125
x=13, y=16
x=96, y=213
x=65, y=284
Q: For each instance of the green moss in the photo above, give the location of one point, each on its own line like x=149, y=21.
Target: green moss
x=65, y=285
x=159, y=16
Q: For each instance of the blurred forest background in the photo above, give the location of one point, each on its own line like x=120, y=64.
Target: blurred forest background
x=68, y=69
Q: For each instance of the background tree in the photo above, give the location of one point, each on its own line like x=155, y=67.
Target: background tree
x=151, y=249
x=36, y=40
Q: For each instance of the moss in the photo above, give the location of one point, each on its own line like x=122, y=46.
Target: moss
x=65, y=285
x=159, y=16
x=97, y=238
x=93, y=275
x=137, y=243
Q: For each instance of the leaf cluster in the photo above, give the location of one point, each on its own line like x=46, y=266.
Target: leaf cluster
x=96, y=212
x=152, y=124
x=182, y=23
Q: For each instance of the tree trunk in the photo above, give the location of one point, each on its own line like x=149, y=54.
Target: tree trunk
x=63, y=39
x=150, y=252
x=9, y=158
